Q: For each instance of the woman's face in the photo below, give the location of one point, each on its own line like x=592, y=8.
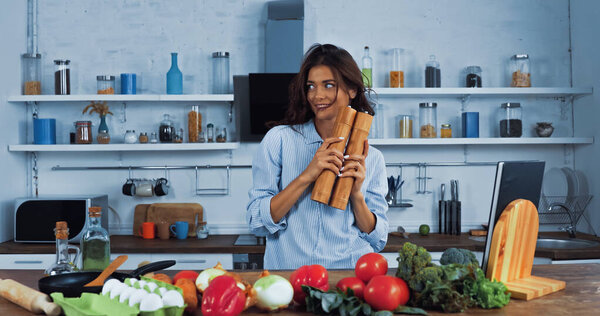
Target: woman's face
x=322, y=89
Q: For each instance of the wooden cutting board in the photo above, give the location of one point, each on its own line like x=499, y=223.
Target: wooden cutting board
x=176, y=212
x=139, y=216
x=512, y=252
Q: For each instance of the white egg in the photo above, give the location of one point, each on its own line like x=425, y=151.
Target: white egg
x=151, y=302
x=137, y=296
x=162, y=290
x=172, y=298
x=141, y=283
x=151, y=286
x=126, y=293
x=108, y=285
x=131, y=281
x=117, y=289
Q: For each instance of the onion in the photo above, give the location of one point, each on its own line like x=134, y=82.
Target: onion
x=274, y=292
x=207, y=275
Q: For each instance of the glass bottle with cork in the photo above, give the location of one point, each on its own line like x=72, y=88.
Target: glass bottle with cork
x=63, y=263
x=367, y=69
x=95, y=243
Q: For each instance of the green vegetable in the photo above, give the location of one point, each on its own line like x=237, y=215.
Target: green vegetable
x=458, y=255
x=453, y=287
x=424, y=230
x=340, y=303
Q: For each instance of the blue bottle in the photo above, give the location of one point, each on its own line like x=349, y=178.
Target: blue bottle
x=174, y=77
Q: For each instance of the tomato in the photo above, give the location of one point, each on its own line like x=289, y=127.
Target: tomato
x=405, y=292
x=185, y=274
x=314, y=275
x=353, y=283
x=370, y=265
x=385, y=292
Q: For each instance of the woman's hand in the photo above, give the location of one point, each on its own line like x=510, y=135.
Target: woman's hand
x=354, y=166
x=324, y=158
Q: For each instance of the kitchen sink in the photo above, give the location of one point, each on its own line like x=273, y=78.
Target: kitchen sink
x=573, y=243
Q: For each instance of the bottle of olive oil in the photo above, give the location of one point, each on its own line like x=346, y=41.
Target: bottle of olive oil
x=367, y=69
x=95, y=243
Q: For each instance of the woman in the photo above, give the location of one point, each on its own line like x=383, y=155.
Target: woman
x=291, y=157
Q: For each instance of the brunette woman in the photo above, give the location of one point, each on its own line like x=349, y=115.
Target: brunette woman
x=300, y=231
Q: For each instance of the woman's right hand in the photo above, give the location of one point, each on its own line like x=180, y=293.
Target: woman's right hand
x=325, y=158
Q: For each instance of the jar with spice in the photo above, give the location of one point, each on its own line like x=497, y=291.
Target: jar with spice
x=210, y=133
x=130, y=137
x=166, y=130
x=473, y=77
x=406, y=126
x=194, y=124
x=397, y=73
x=446, y=131
x=32, y=78
x=62, y=77
x=428, y=120
x=510, y=117
x=83, y=132
x=520, y=73
x=143, y=138
x=105, y=84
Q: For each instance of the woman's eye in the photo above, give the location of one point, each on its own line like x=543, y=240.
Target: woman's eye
x=329, y=85
x=310, y=86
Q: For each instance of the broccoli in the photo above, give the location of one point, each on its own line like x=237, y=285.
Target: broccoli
x=429, y=274
x=411, y=259
x=458, y=255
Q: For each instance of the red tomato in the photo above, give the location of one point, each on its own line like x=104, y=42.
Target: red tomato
x=314, y=275
x=186, y=274
x=353, y=283
x=385, y=292
x=405, y=292
x=370, y=265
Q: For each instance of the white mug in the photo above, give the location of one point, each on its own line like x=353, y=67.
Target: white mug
x=144, y=189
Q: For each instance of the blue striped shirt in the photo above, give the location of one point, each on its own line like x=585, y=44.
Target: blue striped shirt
x=311, y=232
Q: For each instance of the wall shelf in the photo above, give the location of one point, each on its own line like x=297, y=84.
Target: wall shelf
x=125, y=147
x=123, y=97
x=482, y=141
x=481, y=92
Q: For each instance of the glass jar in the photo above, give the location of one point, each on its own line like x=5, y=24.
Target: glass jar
x=105, y=84
x=446, y=131
x=222, y=135
x=194, y=124
x=62, y=77
x=178, y=138
x=95, y=243
x=103, y=137
x=166, y=131
x=202, y=230
x=31, y=72
x=473, y=77
x=220, y=72
x=510, y=118
x=131, y=137
x=520, y=73
x=210, y=133
x=432, y=73
x=428, y=120
x=201, y=138
x=396, y=72
x=406, y=126
x=83, y=132
x=153, y=138
x=143, y=138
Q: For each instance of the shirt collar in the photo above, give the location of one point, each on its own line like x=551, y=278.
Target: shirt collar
x=310, y=133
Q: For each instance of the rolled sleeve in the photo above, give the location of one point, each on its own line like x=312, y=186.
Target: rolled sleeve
x=375, y=199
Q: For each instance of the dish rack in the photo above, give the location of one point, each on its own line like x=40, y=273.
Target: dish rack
x=562, y=209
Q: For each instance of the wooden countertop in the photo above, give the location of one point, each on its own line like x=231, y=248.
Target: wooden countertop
x=579, y=298
x=224, y=244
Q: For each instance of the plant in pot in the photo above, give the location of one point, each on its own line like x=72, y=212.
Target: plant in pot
x=101, y=108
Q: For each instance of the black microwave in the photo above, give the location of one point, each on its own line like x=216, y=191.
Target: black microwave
x=36, y=217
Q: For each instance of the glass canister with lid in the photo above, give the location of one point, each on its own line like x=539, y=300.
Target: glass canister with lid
x=62, y=77
x=473, y=77
x=520, y=71
x=83, y=132
x=428, y=120
x=166, y=130
x=220, y=72
x=105, y=84
x=510, y=120
x=32, y=77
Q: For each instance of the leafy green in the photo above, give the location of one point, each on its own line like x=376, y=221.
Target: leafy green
x=458, y=255
x=346, y=304
x=488, y=294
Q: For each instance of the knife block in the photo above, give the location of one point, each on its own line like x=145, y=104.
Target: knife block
x=512, y=251
x=343, y=124
x=356, y=145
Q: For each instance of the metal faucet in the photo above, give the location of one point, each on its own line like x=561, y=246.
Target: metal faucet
x=570, y=229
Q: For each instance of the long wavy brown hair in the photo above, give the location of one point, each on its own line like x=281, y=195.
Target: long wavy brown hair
x=346, y=73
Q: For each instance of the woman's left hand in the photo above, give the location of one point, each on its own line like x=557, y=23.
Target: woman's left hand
x=354, y=166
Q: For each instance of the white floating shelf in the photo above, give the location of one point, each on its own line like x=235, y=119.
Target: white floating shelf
x=481, y=141
x=126, y=147
x=124, y=97
x=481, y=92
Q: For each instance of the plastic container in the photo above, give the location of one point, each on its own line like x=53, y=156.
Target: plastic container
x=105, y=84
x=510, y=120
x=473, y=79
x=83, y=132
x=520, y=71
x=397, y=72
x=220, y=72
x=428, y=120
x=406, y=126
x=62, y=77
x=31, y=73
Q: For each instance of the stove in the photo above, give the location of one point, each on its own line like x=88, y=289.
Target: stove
x=250, y=240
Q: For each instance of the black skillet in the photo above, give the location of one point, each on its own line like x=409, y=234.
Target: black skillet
x=72, y=284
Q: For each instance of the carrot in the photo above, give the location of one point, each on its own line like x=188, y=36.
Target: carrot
x=189, y=294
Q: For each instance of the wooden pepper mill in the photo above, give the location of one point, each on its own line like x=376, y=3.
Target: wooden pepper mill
x=356, y=144
x=343, y=124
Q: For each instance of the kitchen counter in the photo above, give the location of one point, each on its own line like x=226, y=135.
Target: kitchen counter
x=579, y=298
x=224, y=244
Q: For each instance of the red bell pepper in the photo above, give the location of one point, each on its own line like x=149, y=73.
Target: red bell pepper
x=314, y=275
x=223, y=297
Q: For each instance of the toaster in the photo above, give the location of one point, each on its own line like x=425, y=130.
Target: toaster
x=35, y=217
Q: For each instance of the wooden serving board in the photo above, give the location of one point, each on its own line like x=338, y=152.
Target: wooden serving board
x=512, y=251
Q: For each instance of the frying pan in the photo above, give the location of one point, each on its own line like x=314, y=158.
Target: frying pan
x=72, y=284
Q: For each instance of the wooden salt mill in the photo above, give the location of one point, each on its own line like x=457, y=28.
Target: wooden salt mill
x=343, y=124
x=356, y=144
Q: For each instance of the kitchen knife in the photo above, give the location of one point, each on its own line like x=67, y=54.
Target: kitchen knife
x=441, y=210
